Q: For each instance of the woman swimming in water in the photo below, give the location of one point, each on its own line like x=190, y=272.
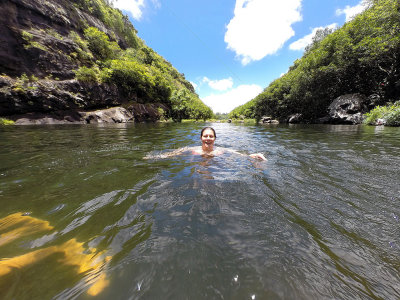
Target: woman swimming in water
x=208, y=137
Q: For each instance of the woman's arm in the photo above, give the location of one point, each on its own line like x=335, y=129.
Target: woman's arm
x=258, y=156
x=254, y=155
x=167, y=154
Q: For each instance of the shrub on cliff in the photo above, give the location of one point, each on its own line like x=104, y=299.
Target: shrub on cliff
x=82, y=53
x=100, y=44
x=135, y=79
x=85, y=74
x=111, y=17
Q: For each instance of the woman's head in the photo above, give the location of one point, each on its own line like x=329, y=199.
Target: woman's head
x=208, y=137
x=205, y=129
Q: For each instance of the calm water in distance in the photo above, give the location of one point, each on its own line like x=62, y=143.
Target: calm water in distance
x=84, y=216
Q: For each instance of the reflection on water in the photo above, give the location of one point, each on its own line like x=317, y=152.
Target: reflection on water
x=86, y=263
x=83, y=214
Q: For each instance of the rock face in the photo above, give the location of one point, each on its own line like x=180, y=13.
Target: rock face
x=35, y=37
x=134, y=113
x=55, y=102
x=348, y=109
x=51, y=96
x=39, y=56
x=111, y=115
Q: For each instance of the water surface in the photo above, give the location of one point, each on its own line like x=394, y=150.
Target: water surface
x=84, y=215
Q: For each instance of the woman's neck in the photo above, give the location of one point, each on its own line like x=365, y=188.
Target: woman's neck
x=207, y=148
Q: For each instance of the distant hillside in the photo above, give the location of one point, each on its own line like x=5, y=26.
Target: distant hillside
x=361, y=57
x=61, y=56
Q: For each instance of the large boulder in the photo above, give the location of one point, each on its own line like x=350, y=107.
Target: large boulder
x=110, y=115
x=348, y=109
x=149, y=112
x=268, y=120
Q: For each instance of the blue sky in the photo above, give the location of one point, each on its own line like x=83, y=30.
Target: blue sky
x=230, y=50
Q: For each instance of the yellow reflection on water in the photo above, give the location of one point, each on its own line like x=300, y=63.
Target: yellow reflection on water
x=19, y=225
x=71, y=253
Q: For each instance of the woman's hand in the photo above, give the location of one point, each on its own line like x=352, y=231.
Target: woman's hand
x=258, y=156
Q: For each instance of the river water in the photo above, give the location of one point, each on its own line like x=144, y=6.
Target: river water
x=84, y=216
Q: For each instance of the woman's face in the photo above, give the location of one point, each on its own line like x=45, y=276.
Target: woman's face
x=208, y=139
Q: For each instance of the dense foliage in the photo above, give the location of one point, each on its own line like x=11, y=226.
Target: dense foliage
x=138, y=72
x=384, y=115
x=361, y=57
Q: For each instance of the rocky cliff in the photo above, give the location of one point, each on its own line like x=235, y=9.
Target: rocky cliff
x=41, y=47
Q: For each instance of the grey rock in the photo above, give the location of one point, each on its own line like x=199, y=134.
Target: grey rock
x=268, y=120
x=295, y=118
x=380, y=122
x=111, y=115
x=348, y=109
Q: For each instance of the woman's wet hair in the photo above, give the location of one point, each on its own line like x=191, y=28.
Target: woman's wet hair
x=201, y=134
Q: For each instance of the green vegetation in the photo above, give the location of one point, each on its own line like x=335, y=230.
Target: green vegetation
x=120, y=58
x=6, y=122
x=246, y=109
x=112, y=18
x=100, y=45
x=361, y=57
x=221, y=116
x=245, y=121
x=85, y=74
x=30, y=43
x=186, y=105
x=387, y=115
x=83, y=54
x=25, y=83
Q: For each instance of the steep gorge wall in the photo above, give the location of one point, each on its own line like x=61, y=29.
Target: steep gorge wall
x=35, y=40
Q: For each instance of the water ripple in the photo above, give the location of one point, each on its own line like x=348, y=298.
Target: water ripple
x=319, y=220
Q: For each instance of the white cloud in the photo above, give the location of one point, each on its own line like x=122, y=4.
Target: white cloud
x=300, y=44
x=135, y=7
x=227, y=101
x=261, y=27
x=219, y=85
x=352, y=11
x=156, y=3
